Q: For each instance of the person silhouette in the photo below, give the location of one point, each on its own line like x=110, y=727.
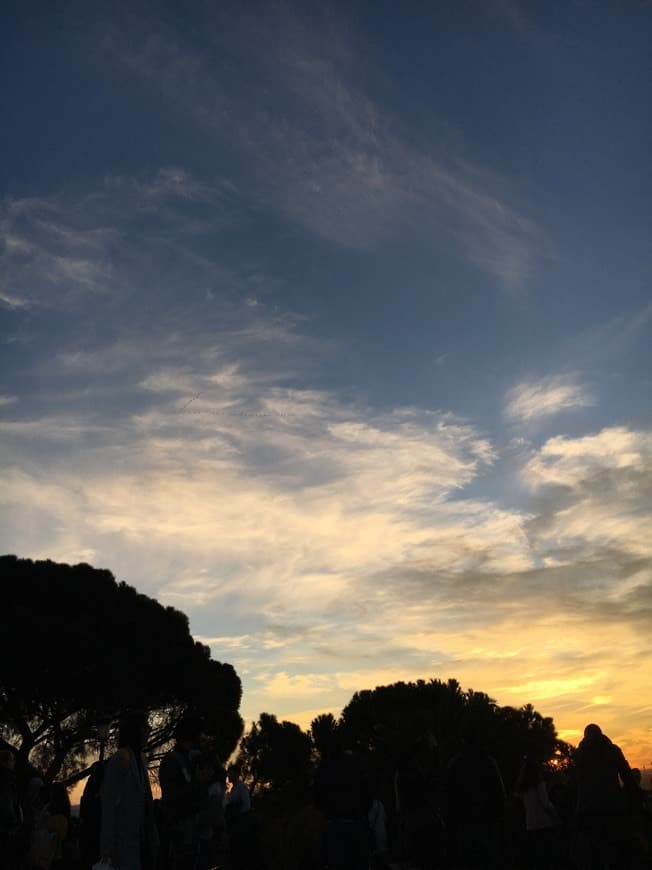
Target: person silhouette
x=541, y=817
x=239, y=821
x=604, y=779
x=128, y=836
x=475, y=798
x=341, y=795
x=183, y=795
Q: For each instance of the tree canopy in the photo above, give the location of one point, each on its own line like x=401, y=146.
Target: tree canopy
x=276, y=755
x=407, y=723
x=76, y=648
x=388, y=719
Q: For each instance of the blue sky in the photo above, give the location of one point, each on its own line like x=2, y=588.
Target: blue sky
x=330, y=325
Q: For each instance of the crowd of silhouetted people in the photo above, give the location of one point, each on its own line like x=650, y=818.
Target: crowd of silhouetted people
x=596, y=817
x=35, y=822
x=426, y=814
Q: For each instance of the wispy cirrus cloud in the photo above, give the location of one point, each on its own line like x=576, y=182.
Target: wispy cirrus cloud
x=320, y=150
x=116, y=239
x=610, y=340
x=534, y=400
x=49, y=256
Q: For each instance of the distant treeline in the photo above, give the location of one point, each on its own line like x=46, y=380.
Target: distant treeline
x=423, y=722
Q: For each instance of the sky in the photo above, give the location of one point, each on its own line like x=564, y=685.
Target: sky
x=329, y=325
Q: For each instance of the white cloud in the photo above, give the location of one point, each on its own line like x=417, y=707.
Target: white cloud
x=567, y=461
x=533, y=400
x=335, y=581
x=606, y=478
x=196, y=484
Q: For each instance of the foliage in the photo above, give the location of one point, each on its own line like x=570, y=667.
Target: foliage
x=427, y=714
x=418, y=723
x=563, y=758
x=325, y=734
x=76, y=648
x=276, y=756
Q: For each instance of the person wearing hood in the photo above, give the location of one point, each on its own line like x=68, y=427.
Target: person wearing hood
x=604, y=779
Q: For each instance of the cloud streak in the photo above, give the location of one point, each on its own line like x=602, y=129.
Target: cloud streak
x=328, y=157
x=530, y=401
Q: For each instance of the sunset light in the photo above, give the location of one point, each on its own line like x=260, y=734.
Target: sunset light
x=329, y=325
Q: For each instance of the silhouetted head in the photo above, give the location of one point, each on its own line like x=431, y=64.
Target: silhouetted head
x=234, y=772
x=592, y=732
x=530, y=775
x=188, y=731
x=133, y=729
x=59, y=802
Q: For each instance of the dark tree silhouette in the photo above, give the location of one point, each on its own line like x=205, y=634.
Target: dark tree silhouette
x=384, y=721
x=325, y=733
x=403, y=738
x=276, y=756
x=77, y=648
